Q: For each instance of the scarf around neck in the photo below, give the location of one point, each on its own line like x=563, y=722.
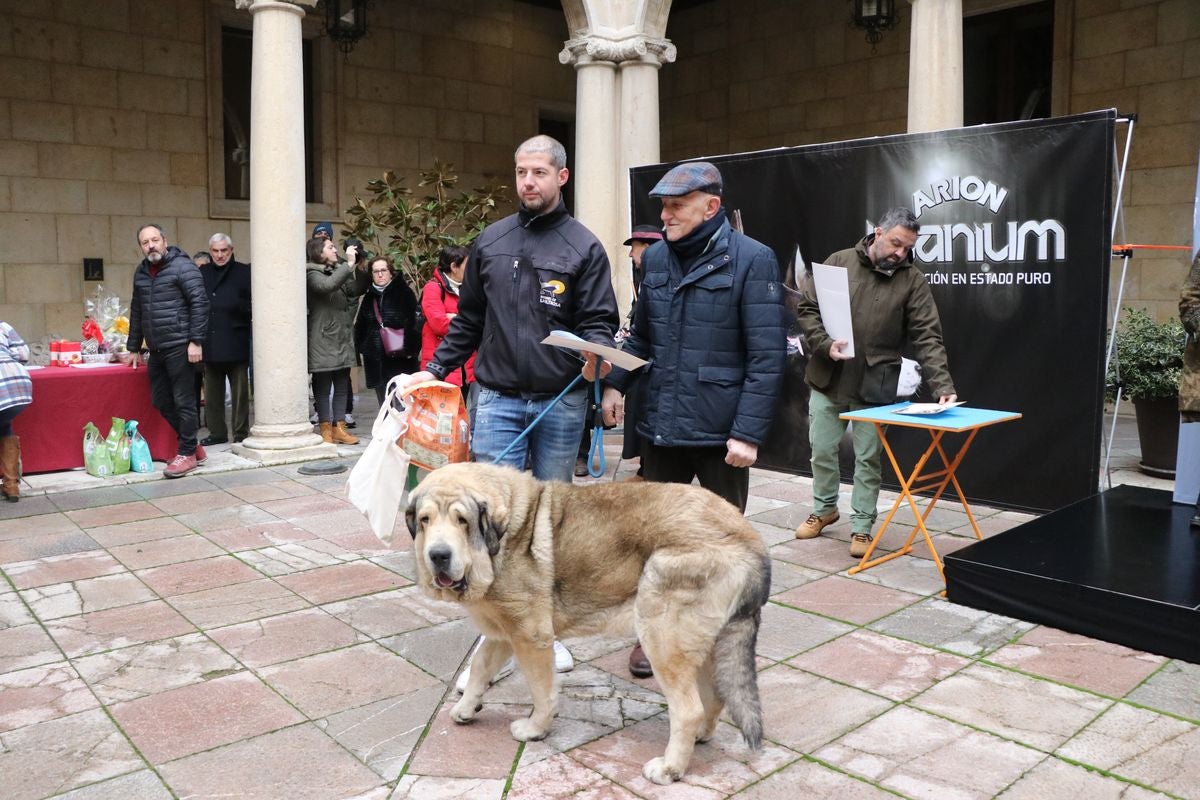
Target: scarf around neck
x=692, y=246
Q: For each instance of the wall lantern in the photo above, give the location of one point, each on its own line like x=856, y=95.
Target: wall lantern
x=874, y=17
x=346, y=22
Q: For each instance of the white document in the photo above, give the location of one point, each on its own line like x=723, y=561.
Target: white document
x=927, y=408
x=833, y=297
x=572, y=342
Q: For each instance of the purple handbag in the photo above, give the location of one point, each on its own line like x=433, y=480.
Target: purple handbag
x=391, y=338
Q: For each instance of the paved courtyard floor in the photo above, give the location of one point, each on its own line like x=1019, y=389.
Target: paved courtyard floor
x=240, y=633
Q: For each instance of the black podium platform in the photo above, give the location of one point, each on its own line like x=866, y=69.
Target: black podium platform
x=1122, y=566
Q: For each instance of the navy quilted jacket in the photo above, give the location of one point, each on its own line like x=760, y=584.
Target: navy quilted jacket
x=715, y=339
x=169, y=310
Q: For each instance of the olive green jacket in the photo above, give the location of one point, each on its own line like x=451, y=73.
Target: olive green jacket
x=1189, y=314
x=330, y=329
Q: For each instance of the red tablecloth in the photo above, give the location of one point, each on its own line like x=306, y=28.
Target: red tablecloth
x=65, y=399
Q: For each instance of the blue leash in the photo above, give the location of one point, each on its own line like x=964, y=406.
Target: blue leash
x=596, y=451
x=597, y=432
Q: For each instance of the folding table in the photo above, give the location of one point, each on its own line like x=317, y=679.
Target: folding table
x=958, y=420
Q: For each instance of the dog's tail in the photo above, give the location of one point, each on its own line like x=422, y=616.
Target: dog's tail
x=733, y=655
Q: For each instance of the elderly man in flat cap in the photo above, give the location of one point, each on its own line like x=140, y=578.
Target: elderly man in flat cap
x=711, y=321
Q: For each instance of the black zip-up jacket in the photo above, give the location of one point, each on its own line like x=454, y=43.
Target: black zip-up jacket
x=171, y=309
x=229, y=306
x=528, y=275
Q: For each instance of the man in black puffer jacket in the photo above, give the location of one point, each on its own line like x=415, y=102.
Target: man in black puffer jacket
x=169, y=314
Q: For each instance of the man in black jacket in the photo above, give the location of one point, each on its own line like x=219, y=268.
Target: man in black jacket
x=227, y=353
x=169, y=314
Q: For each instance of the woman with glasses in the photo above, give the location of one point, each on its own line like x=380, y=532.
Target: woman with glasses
x=388, y=303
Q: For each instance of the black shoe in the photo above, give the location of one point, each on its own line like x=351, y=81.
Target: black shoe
x=209, y=441
x=1196, y=521
x=581, y=468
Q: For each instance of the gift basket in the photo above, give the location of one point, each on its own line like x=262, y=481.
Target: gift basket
x=105, y=326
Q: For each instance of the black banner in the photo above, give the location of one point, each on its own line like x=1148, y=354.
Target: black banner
x=1015, y=239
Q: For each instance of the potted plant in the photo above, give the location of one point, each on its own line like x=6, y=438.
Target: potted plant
x=1147, y=366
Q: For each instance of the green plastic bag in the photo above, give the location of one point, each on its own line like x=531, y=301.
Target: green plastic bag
x=96, y=457
x=118, y=446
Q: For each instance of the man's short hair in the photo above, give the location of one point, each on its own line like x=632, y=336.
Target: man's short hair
x=220, y=237
x=545, y=144
x=201, y=255
x=155, y=225
x=901, y=216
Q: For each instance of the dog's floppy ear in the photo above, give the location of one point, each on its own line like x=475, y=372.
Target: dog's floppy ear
x=410, y=514
x=489, y=529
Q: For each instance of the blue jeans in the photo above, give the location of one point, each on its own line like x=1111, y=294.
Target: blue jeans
x=550, y=447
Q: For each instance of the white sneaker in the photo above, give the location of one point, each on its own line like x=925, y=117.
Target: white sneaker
x=563, y=660
x=460, y=685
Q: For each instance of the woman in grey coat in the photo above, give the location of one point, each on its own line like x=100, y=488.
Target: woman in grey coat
x=331, y=282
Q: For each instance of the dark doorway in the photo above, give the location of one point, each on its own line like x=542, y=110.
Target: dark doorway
x=564, y=131
x=1007, y=61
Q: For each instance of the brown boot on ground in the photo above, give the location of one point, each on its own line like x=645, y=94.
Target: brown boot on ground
x=327, y=432
x=859, y=544
x=10, y=467
x=343, y=436
x=812, y=527
x=639, y=665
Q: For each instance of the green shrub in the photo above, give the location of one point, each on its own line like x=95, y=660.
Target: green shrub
x=1149, y=357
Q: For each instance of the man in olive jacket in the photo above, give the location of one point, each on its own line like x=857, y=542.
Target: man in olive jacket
x=890, y=303
x=169, y=314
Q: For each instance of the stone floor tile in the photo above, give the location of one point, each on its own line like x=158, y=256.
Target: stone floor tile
x=241, y=602
x=62, y=569
x=30, y=505
x=364, y=543
x=37, y=694
x=140, y=670
x=1142, y=746
x=891, y=667
x=846, y=599
x=62, y=754
x=1109, y=669
x=928, y=758
x=1034, y=712
x=788, y=517
x=133, y=532
x=1171, y=689
x=378, y=615
x=562, y=778
x=12, y=611
x=195, y=576
x=276, y=490
x=153, y=490
x=438, y=649
x=299, y=763
x=383, y=734
x=248, y=477
x=117, y=627
x=38, y=525
x=424, y=787
x=913, y=575
x=789, y=491
x=326, y=584
x=805, y=780
x=328, y=683
x=946, y=543
x=160, y=552
x=306, y=506
x=718, y=768
x=144, y=785
x=179, y=722
x=1054, y=778
x=616, y=663
x=26, y=646
x=756, y=504
x=339, y=521
x=483, y=749
x=82, y=597
x=803, y=711
x=221, y=518
x=252, y=537
x=113, y=514
x=785, y=631
x=46, y=545
x=287, y=559
x=272, y=640
x=786, y=576
x=210, y=500
x=401, y=562
x=824, y=553
x=949, y=626
x=91, y=498
x=771, y=534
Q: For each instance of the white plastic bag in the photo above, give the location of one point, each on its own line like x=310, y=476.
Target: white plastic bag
x=376, y=484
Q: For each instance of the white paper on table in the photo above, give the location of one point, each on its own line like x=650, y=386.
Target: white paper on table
x=572, y=342
x=91, y=365
x=927, y=408
x=833, y=297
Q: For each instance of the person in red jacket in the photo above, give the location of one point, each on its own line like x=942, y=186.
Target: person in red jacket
x=439, y=303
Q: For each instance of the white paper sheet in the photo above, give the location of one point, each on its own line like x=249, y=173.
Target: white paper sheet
x=833, y=297
x=572, y=342
x=927, y=408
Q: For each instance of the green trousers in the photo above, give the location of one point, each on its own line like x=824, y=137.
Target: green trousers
x=825, y=431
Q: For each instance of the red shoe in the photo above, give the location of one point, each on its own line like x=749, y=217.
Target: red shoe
x=201, y=456
x=180, y=465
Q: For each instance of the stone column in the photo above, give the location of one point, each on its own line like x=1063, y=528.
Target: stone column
x=935, y=66
x=281, y=431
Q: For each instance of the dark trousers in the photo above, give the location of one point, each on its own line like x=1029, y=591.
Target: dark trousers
x=215, y=374
x=330, y=410
x=173, y=393
x=681, y=464
x=7, y=415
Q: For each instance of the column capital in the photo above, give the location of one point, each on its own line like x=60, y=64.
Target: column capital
x=591, y=49
x=258, y=5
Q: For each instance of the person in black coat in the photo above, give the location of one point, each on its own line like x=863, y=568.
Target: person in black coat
x=390, y=303
x=227, y=354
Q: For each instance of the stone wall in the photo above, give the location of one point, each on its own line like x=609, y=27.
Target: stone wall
x=103, y=124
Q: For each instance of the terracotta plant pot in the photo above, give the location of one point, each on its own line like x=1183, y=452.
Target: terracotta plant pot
x=1158, y=435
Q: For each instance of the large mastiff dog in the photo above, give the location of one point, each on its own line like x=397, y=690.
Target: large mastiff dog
x=533, y=560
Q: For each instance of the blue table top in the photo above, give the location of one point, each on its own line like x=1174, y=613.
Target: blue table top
x=960, y=418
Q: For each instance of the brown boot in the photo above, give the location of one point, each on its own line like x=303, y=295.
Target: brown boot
x=10, y=467
x=327, y=432
x=343, y=436
x=639, y=665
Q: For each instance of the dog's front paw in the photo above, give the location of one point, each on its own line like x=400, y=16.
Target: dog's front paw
x=526, y=730
x=464, y=710
x=656, y=769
